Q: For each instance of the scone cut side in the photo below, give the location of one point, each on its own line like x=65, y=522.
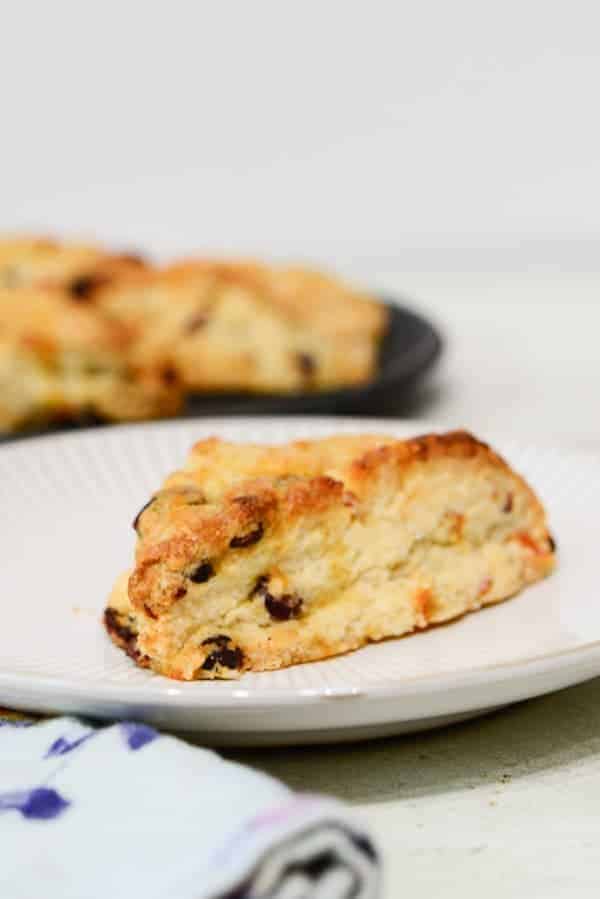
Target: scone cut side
x=253, y=558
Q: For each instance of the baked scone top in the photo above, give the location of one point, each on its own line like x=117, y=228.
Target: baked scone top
x=309, y=297
x=42, y=261
x=40, y=318
x=306, y=297
x=229, y=496
x=219, y=467
x=249, y=327
x=61, y=358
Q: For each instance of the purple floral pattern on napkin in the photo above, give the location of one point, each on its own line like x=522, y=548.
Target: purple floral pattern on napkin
x=41, y=803
x=63, y=745
x=137, y=735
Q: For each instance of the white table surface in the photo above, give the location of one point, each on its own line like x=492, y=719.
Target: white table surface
x=507, y=805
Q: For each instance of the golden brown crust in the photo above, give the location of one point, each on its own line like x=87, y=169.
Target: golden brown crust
x=249, y=327
x=302, y=524
x=76, y=267
x=321, y=301
x=209, y=528
x=61, y=359
x=36, y=316
x=159, y=575
x=215, y=325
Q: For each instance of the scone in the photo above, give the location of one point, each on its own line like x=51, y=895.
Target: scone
x=78, y=268
x=249, y=327
x=61, y=360
x=253, y=558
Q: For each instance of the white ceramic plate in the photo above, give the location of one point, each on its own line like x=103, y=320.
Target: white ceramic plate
x=67, y=503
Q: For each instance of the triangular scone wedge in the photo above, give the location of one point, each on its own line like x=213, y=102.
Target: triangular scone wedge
x=246, y=327
x=253, y=558
x=62, y=360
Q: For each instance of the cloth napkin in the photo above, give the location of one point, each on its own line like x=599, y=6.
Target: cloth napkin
x=123, y=811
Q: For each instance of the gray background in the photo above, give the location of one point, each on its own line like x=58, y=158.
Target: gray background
x=341, y=131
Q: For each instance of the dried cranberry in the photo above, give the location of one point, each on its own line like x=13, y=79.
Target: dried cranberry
x=282, y=608
x=125, y=637
x=114, y=626
x=195, y=322
x=202, y=573
x=306, y=364
x=226, y=657
x=169, y=376
x=218, y=639
x=248, y=539
x=260, y=586
x=81, y=288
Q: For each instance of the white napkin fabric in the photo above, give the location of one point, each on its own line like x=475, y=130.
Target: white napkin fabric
x=123, y=811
